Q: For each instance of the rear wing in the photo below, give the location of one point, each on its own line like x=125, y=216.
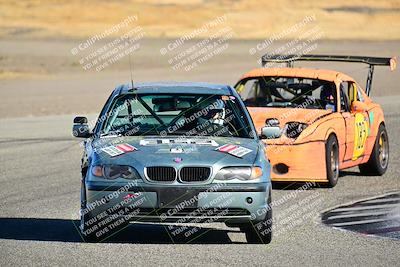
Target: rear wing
x=371, y=61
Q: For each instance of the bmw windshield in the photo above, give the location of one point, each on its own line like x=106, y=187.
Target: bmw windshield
x=172, y=114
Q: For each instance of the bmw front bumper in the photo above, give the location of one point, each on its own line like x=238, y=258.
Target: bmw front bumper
x=236, y=203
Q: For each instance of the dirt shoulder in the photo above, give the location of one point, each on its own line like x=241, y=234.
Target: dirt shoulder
x=250, y=19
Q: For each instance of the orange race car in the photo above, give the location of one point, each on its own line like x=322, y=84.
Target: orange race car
x=316, y=122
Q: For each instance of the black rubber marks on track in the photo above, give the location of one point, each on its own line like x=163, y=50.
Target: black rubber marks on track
x=378, y=216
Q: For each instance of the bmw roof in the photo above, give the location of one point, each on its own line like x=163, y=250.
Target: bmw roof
x=176, y=88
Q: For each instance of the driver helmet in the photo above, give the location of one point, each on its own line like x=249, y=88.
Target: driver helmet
x=327, y=93
x=212, y=110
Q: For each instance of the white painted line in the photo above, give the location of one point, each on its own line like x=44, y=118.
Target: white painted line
x=356, y=215
x=392, y=206
x=359, y=222
x=382, y=200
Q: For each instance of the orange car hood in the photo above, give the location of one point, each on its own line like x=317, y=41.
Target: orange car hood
x=284, y=115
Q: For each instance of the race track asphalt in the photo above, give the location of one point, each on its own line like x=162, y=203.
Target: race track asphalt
x=40, y=200
x=40, y=178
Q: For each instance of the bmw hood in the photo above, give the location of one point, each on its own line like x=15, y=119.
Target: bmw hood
x=140, y=152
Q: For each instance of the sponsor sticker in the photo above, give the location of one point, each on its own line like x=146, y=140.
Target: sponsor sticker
x=126, y=147
x=234, y=150
x=361, y=135
x=153, y=142
x=176, y=150
x=118, y=149
x=226, y=148
x=240, y=151
x=112, y=151
x=227, y=97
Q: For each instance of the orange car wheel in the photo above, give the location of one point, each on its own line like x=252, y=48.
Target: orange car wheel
x=379, y=159
x=332, y=160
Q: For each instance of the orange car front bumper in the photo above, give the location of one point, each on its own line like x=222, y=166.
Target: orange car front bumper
x=297, y=162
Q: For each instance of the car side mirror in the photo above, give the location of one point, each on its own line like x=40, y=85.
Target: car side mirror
x=270, y=132
x=358, y=106
x=81, y=128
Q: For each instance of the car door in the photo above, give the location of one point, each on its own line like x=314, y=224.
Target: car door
x=357, y=122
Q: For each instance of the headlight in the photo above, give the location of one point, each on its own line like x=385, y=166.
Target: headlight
x=240, y=173
x=112, y=172
x=294, y=129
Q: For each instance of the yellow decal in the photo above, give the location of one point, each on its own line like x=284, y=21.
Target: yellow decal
x=352, y=92
x=360, y=135
x=240, y=88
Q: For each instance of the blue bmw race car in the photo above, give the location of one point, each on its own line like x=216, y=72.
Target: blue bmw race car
x=173, y=153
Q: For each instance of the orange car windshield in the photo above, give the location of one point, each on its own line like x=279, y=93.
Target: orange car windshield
x=288, y=92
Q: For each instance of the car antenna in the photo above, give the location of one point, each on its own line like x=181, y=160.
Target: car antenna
x=132, y=89
x=131, y=70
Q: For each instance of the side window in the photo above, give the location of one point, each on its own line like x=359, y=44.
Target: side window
x=248, y=89
x=353, y=92
x=344, y=97
x=359, y=95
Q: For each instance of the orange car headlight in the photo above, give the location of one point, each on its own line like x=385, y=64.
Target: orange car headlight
x=294, y=129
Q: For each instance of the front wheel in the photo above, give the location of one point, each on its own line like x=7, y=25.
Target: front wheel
x=88, y=231
x=379, y=160
x=94, y=229
x=332, y=160
x=261, y=232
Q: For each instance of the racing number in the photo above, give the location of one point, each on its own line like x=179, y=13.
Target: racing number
x=360, y=135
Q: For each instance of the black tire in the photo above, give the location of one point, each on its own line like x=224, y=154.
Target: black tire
x=332, y=160
x=261, y=232
x=379, y=160
x=93, y=232
x=86, y=232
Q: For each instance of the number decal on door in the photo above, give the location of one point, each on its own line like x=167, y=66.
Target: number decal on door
x=360, y=135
